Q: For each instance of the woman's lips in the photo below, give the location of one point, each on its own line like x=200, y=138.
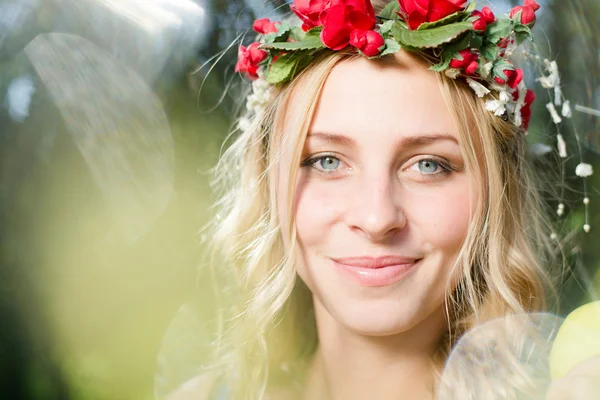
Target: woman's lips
x=373, y=272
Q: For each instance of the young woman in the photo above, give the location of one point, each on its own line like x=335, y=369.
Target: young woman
x=372, y=210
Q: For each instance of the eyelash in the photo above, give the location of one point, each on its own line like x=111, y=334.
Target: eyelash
x=445, y=166
x=311, y=161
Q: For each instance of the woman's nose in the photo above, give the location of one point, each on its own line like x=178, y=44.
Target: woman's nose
x=377, y=213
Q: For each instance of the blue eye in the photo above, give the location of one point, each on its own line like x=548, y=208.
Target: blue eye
x=324, y=163
x=328, y=163
x=428, y=166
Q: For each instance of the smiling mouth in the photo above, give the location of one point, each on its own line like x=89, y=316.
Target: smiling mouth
x=376, y=272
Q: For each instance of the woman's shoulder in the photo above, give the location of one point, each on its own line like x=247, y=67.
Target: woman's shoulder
x=200, y=387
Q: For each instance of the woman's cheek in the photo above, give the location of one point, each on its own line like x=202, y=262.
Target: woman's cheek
x=443, y=218
x=317, y=207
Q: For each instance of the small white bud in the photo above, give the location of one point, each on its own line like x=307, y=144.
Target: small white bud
x=553, y=236
x=452, y=73
x=555, y=117
x=586, y=201
x=478, y=88
x=566, y=109
x=505, y=97
x=562, y=146
x=546, y=81
x=584, y=170
x=587, y=228
x=557, y=95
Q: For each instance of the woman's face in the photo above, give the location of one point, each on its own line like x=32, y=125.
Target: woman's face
x=383, y=199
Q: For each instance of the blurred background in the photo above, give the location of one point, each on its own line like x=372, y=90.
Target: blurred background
x=112, y=113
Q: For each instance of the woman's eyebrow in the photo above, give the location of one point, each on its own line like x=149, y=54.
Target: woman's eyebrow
x=405, y=142
x=423, y=140
x=333, y=138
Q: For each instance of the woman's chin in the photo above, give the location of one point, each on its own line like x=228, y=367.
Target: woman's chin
x=378, y=319
x=381, y=321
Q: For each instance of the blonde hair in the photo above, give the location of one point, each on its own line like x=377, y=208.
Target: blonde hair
x=268, y=330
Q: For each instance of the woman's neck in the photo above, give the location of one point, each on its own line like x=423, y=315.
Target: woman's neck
x=351, y=366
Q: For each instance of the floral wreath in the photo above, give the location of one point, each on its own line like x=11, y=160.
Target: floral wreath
x=465, y=43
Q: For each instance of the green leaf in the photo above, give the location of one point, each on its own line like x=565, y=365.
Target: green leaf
x=489, y=51
x=430, y=38
x=522, y=33
x=287, y=66
x=459, y=44
x=297, y=34
x=476, y=42
x=500, y=66
x=498, y=30
x=390, y=11
x=391, y=47
x=442, y=66
x=457, y=16
x=282, y=34
x=521, y=37
x=386, y=28
x=311, y=41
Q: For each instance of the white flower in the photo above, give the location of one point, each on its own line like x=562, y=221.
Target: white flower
x=518, y=116
x=486, y=69
x=259, y=85
x=584, y=170
x=552, y=80
x=555, y=117
x=452, y=73
x=478, y=88
x=546, y=81
x=553, y=69
x=496, y=107
x=562, y=146
x=244, y=124
x=253, y=102
x=504, y=96
x=557, y=95
x=566, y=109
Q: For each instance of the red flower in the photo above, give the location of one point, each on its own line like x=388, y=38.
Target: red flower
x=504, y=42
x=468, y=63
x=264, y=26
x=528, y=10
x=417, y=12
x=486, y=16
x=479, y=24
x=342, y=19
x=309, y=11
x=248, y=60
x=526, y=109
x=514, y=78
x=369, y=42
x=472, y=68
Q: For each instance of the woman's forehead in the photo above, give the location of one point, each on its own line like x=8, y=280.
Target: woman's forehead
x=362, y=98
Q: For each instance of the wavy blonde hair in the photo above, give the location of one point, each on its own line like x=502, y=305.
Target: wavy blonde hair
x=268, y=331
